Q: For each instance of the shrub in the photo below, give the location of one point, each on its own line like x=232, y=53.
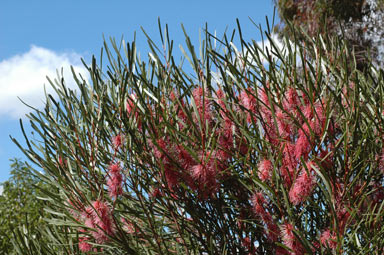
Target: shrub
x=255, y=152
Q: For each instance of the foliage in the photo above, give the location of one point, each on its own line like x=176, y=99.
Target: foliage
x=255, y=152
x=358, y=22
x=19, y=206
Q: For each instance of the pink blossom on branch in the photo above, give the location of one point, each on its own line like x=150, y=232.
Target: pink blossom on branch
x=304, y=143
x=99, y=217
x=283, y=124
x=117, y=141
x=265, y=169
x=303, y=185
x=292, y=99
x=328, y=239
x=203, y=105
x=249, y=101
x=289, y=239
x=259, y=209
x=128, y=226
x=115, y=179
x=84, y=246
x=207, y=172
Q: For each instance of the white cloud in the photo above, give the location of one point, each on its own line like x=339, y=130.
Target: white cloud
x=267, y=48
x=25, y=75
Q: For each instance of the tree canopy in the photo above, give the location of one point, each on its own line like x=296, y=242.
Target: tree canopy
x=20, y=207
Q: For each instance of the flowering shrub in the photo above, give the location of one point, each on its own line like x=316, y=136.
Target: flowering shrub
x=243, y=157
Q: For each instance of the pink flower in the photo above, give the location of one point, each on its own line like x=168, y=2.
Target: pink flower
x=160, y=148
x=128, y=226
x=265, y=169
x=117, y=141
x=283, y=125
x=184, y=159
x=220, y=101
x=289, y=163
x=264, y=98
x=289, y=240
x=171, y=175
x=343, y=216
x=249, y=102
x=303, y=143
x=328, y=239
x=292, y=99
x=84, y=246
x=246, y=242
x=203, y=105
x=206, y=173
x=307, y=112
x=259, y=205
x=320, y=119
x=280, y=251
x=225, y=139
x=303, y=185
x=203, y=173
x=258, y=202
x=115, y=180
x=273, y=231
x=99, y=217
x=287, y=235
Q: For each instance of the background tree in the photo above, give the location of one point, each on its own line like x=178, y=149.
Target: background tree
x=19, y=206
x=357, y=21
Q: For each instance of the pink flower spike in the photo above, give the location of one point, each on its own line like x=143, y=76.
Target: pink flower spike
x=206, y=173
x=99, y=217
x=84, y=246
x=103, y=219
x=292, y=99
x=258, y=202
x=303, y=186
x=265, y=169
x=303, y=143
x=289, y=240
x=328, y=239
x=287, y=235
x=114, y=181
x=117, y=142
x=307, y=112
x=282, y=124
x=128, y=226
x=249, y=102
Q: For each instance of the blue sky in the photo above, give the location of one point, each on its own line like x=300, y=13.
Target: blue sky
x=38, y=37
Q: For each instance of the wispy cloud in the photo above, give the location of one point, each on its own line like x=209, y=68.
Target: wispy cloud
x=25, y=75
x=266, y=46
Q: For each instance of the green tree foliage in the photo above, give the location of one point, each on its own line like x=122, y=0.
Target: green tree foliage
x=360, y=22
x=254, y=152
x=19, y=206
